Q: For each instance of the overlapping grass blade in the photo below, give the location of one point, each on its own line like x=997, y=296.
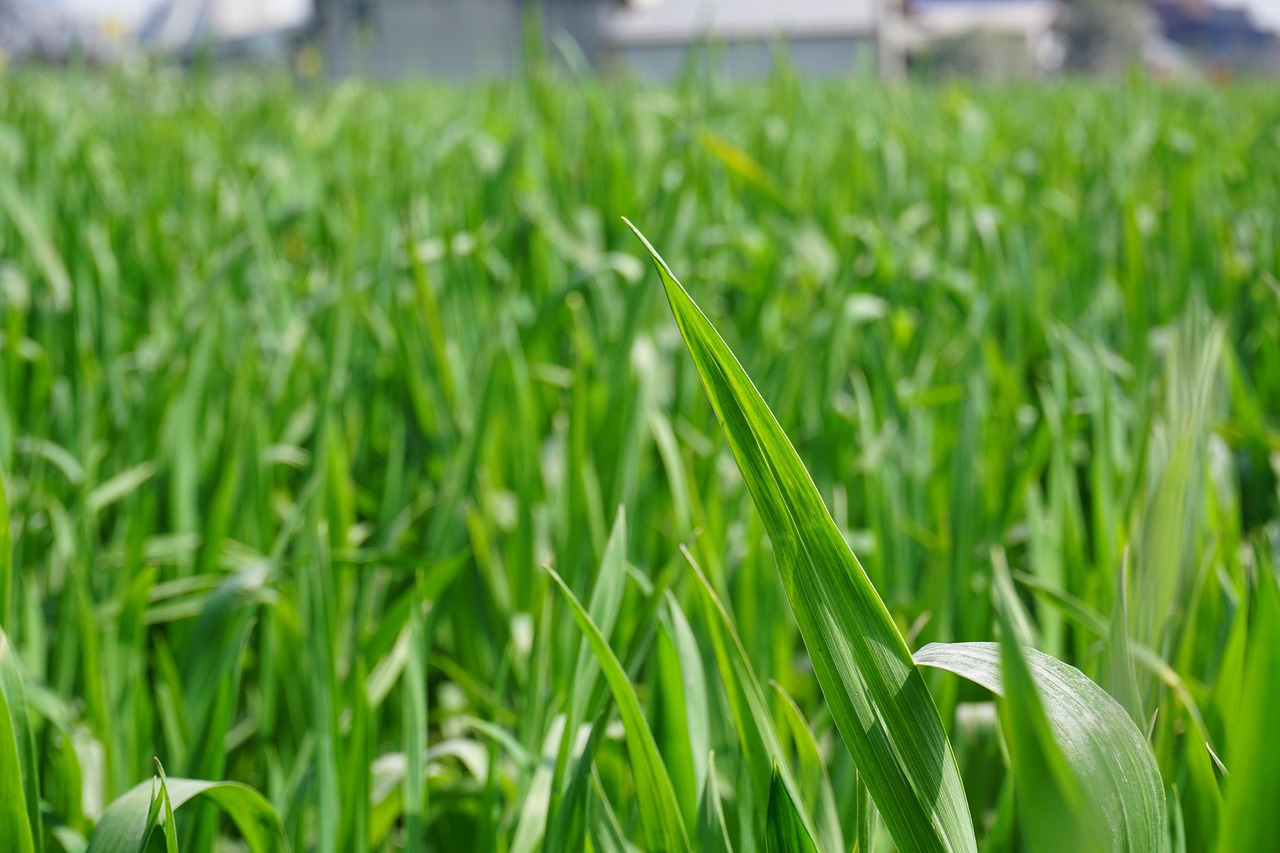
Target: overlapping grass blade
x=1251, y=819
x=786, y=831
x=712, y=832
x=814, y=783
x=19, y=802
x=758, y=739
x=664, y=827
x=880, y=702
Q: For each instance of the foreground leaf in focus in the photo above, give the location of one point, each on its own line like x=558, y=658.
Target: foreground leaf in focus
x=880, y=703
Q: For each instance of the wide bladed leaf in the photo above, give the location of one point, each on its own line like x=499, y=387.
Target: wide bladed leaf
x=879, y=700
x=1103, y=748
x=128, y=821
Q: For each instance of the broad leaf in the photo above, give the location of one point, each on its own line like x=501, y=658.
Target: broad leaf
x=1101, y=744
x=129, y=820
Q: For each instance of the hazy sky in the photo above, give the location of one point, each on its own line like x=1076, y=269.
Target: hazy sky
x=1265, y=11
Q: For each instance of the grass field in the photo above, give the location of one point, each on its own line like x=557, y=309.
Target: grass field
x=322, y=410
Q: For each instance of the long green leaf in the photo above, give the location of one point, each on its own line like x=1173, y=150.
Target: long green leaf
x=1054, y=810
x=1251, y=819
x=655, y=795
x=878, y=698
x=1100, y=742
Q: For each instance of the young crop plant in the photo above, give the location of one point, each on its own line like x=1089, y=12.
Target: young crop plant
x=354, y=469
x=1085, y=776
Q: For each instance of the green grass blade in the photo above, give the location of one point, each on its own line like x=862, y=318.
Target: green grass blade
x=533, y=814
x=18, y=809
x=814, y=783
x=1051, y=803
x=879, y=700
x=1250, y=818
x=6, y=559
x=713, y=831
x=170, y=830
x=604, y=607
x=758, y=740
x=656, y=797
x=684, y=734
x=785, y=828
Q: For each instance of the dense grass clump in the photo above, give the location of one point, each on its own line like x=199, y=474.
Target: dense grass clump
x=302, y=389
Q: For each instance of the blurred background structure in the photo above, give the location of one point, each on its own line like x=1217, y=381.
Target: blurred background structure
x=989, y=39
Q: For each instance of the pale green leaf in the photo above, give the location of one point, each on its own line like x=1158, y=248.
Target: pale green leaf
x=1100, y=742
x=129, y=820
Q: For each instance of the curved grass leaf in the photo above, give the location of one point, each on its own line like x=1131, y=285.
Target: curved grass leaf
x=129, y=821
x=657, y=798
x=1101, y=744
x=879, y=700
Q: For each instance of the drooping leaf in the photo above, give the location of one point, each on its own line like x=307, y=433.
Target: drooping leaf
x=879, y=700
x=1101, y=744
x=128, y=821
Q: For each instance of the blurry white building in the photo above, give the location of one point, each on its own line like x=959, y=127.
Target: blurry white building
x=656, y=38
